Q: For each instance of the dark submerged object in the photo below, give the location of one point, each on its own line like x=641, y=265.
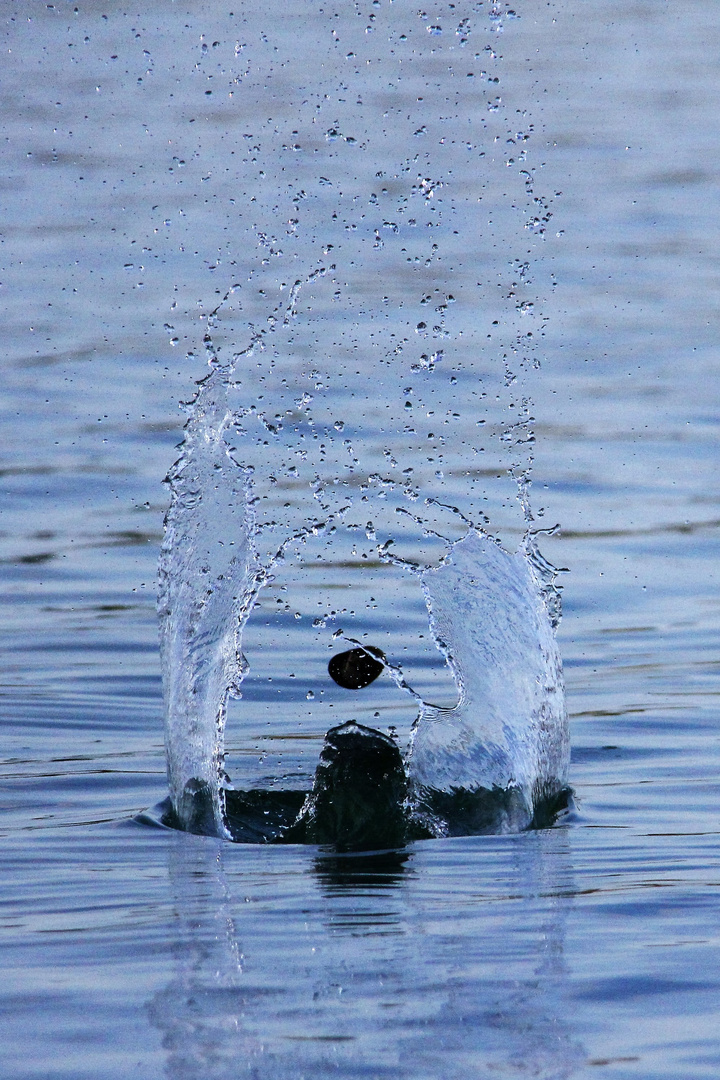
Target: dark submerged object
x=359, y=797
x=252, y=817
x=197, y=808
x=360, y=869
x=361, y=800
x=357, y=668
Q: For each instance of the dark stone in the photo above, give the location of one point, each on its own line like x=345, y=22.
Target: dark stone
x=460, y=812
x=357, y=668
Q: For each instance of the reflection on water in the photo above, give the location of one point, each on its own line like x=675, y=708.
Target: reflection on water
x=413, y=965
x=337, y=873
x=194, y=1010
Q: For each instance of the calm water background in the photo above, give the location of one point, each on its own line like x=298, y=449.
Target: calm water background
x=587, y=950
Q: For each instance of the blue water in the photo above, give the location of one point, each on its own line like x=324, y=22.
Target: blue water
x=589, y=949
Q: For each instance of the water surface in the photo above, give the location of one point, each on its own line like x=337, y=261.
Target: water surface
x=584, y=950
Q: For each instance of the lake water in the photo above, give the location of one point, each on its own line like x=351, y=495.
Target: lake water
x=154, y=158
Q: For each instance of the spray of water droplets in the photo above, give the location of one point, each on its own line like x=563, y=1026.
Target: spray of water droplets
x=368, y=399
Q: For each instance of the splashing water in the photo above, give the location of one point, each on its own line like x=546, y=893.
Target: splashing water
x=208, y=578
x=491, y=615
x=210, y=574
x=378, y=400
x=509, y=729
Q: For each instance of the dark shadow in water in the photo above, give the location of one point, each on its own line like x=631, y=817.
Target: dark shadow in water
x=371, y=870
